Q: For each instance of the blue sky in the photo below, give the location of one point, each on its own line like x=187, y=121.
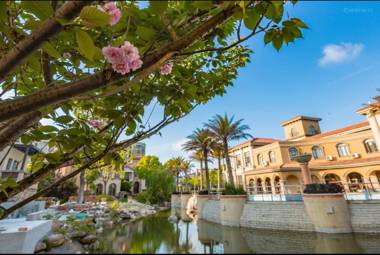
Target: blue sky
x=330, y=73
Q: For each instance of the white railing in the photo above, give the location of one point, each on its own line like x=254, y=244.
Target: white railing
x=360, y=190
x=280, y=193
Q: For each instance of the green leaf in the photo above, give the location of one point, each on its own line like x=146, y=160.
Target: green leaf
x=252, y=19
x=92, y=17
x=277, y=41
x=145, y=33
x=268, y=37
x=86, y=46
x=48, y=129
x=299, y=23
x=3, y=11
x=50, y=50
x=53, y=157
x=42, y=9
x=158, y=7
x=275, y=11
x=25, y=138
x=65, y=119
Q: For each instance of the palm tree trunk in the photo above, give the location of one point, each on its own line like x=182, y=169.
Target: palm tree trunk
x=219, y=172
x=206, y=170
x=228, y=163
x=201, y=176
x=177, y=181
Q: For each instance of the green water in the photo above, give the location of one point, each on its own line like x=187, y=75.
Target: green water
x=156, y=234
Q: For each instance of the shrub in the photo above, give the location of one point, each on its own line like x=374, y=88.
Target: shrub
x=143, y=197
x=104, y=198
x=203, y=192
x=232, y=190
x=123, y=200
x=316, y=188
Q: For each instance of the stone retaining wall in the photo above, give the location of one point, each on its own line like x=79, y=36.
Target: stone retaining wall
x=365, y=215
x=211, y=211
x=276, y=215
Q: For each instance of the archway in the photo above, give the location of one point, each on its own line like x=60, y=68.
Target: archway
x=268, y=185
x=112, y=189
x=99, y=189
x=292, y=184
x=332, y=178
x=259, y=186
x=277, y=185
x=355, y=182
x=374, y=179
x=251, y=186
x=315, y=179
x=136, y=187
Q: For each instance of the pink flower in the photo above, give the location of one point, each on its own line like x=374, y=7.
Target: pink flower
x=122, y=67
x=130, y=51
x=66, y=55
x=113, y=55
x=166, y=69
x=136, y=64
x=112, y=10
x=95, y=123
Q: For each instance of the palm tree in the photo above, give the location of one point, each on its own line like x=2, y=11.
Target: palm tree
x=178, y=165
x=200, y=140
x=218, y=153
x=224, y=130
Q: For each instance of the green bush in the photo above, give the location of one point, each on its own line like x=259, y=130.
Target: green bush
x=126, y=186
x=104, y=198
x=233, y=190
x=123, y=200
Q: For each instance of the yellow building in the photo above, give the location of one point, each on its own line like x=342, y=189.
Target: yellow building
x=348, y=156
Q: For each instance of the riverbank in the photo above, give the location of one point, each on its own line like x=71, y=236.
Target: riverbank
x=79, y=232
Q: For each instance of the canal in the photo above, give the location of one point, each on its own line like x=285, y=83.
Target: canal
x=155, y=234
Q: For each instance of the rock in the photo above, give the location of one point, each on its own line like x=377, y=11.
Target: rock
x=56, y=225
x=88, y=239
x=77, y=234
x=41, y=246
x=99, y=231
x=55, y=240
x=125, y=216
x=108, y=224
x=94, y=246
x=173, y=218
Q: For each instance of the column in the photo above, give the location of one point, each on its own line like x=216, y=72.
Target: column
x=372, y=119
x=303, y=160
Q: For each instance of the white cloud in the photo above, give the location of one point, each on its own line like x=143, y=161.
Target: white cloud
x=177, y=145
x=339, y=53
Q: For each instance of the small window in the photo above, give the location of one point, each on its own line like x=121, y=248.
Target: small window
x=247, y=159
x=293, y=152
x=260, y=159
x=343, y=150
x=317, y=152
x=272, y=157
x=370, y=146
x=9, y=164
x=312, y=130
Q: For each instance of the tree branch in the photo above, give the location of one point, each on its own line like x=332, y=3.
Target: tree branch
x=48, y=29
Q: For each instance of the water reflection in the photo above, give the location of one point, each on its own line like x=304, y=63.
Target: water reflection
x=157, y=235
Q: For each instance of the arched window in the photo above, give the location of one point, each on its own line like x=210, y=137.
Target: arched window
x=312, y=130
x=293, y=152
x=272, y=156
x=259, y=186
x=260, y=159
x=355, y=182
x=370, y=146
x=317, y=152
x=277, y=185
x=112, y=189
x=293, y=132
x=99, y=189
x=251, y=186
x=332, y=178
x=343, y=150
x=268, y=185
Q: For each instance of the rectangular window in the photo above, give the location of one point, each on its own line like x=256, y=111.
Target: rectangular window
x=9, y=164
x=15, y=165
x=238, y=161
x=247, y=159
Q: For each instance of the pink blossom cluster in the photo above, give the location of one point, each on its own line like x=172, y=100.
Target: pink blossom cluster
x=66, y=55
x=95, y=124
x=166, y=69
x=123, y=59
x=112, y=10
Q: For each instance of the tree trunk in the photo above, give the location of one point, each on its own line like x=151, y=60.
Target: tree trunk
x=205, y=152
x=228, y=163
x=82, y=183
x=177, y=181
x=201, y=176
x=219, y=173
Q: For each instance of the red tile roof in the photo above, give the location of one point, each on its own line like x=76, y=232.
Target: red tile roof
x=340, y=130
